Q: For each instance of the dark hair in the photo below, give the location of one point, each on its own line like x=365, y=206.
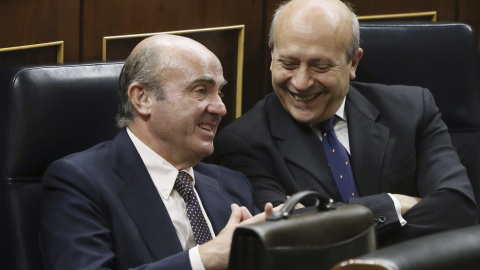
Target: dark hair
x=142, y=66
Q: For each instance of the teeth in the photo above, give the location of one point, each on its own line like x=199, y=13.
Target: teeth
x=304, y=99
x=206, y=127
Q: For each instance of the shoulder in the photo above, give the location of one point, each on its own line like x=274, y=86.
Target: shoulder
x=105, y=154
x=374, y=89
x=386, y=97
x=91, y=156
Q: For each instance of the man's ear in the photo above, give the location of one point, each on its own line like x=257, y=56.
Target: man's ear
x=355, y=61
x=271, y=55
x=140, y=98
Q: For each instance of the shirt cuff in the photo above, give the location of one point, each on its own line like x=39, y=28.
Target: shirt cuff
x=398, y=208
x=195, y=260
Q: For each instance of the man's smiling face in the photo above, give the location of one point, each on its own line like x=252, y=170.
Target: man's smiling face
x=310, y=68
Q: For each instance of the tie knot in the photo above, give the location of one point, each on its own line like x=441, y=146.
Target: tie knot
x=327, y=126
x=183, y=185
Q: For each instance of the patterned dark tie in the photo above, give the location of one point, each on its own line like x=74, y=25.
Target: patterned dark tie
x=338, y=161
x=183, y=185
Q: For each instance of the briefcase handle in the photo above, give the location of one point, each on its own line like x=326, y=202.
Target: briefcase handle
x=323, y=203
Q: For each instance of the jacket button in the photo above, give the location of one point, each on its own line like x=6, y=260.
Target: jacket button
x=376, y=221
x=382, y=219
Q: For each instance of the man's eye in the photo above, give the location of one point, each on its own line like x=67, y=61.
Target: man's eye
x=201, y=91
x=321, y=68
x=221, y=94
x=289, y=66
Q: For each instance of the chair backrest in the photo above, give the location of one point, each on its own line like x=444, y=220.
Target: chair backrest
x=46, y=113
x=443, y=57
x=453, y=250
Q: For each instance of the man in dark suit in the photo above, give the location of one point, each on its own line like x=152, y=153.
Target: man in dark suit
x=397, y=149
x=129, y=203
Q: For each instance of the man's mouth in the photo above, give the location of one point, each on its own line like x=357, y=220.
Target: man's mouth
x=305, y=98
x=206, y=127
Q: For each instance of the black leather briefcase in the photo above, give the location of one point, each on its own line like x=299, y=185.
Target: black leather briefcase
x=315, y=239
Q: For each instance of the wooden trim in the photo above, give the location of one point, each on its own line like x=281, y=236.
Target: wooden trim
x=240, y=54
x=241, y=44
x=432, y=14
x=59, y=44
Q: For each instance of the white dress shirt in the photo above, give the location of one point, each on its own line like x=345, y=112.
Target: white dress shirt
x=163, y=175
x=341, y=131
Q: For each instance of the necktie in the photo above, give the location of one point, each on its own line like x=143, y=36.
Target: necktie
x=338, y=161
x=183, y=185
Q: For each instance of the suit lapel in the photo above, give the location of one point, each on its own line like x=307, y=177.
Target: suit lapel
x=368, y=142
x=142, y=201
x=215, y=204
x=301, y=146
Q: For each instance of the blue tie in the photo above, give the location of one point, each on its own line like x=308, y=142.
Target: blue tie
x=338, y=161
x=183, y=185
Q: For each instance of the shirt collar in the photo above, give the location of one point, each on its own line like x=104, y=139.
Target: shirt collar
x=341, y=111
x=161, y=171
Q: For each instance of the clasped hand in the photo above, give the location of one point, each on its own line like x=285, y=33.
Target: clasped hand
x=215, y=253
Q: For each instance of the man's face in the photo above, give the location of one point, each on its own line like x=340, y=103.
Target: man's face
x=187, y=119
x=310, y=71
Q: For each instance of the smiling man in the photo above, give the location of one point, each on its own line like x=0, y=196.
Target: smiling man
x=384, y=147
x=144, y=200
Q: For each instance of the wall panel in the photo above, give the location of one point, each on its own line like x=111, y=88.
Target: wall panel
x=26, y=22
x=469, y=13
x=113, y=17
x=446, y=9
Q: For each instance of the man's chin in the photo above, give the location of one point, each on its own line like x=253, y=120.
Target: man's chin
x=205, y=151
x=304, y=118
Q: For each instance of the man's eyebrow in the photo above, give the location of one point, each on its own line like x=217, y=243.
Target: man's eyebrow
x=223, y=83
x=209, y=80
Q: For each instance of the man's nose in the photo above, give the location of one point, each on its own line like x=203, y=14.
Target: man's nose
x=302, y=79
x=217, y=107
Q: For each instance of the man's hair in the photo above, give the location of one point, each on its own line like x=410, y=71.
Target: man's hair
x=142, y=66
x=355, y=43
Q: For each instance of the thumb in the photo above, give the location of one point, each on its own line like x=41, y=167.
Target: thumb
x=236, y=215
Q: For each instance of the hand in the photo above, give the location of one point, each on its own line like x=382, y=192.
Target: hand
x=406, y=202
x=215, y=253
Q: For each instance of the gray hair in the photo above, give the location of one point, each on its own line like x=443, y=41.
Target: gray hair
x=142, y=66
x=354, y=46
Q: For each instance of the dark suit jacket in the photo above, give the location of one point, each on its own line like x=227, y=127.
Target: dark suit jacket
x=102, y=210
x=398, y=144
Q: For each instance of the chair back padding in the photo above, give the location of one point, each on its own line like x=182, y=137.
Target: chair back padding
x=46, y=112
x=453, y=250
x=443, y=57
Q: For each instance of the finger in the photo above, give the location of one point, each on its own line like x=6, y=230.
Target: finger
x=278, y=207
x=299, y=205
x=236, y=215
x=268, y=210
x=257, y=218
x=245, y=213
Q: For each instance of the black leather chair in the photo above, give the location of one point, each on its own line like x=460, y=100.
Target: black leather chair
x=453, y=250
x=443, y=57
x=45, y=113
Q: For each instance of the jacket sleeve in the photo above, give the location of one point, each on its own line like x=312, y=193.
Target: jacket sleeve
x=440, y=181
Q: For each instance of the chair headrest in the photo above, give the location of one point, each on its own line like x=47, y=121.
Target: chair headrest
x=39, y=109
x=443, y=57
